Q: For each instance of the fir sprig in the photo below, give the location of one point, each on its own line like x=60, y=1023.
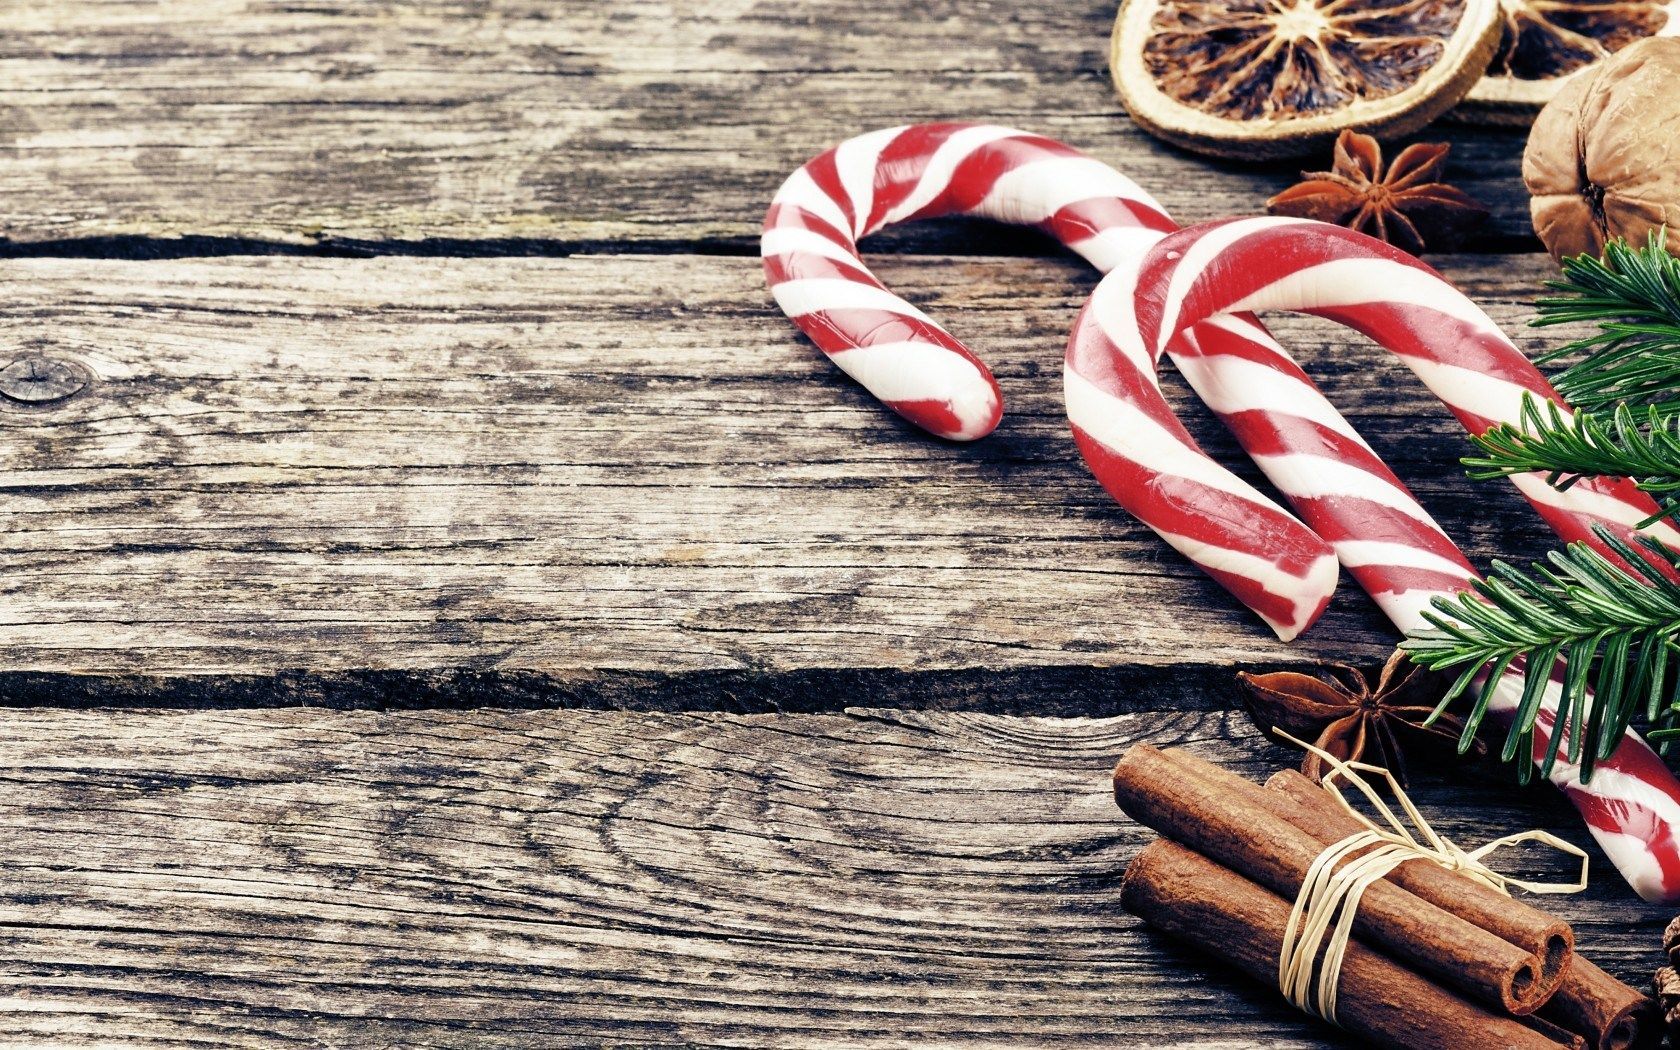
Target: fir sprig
x=1603, y=633
x=1633, y=295
x=1568, y=449
x=1591, y=630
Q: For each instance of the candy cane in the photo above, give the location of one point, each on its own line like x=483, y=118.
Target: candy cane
x=901, y=174
x=1181, y=288
x=1264, y=556
x=917, y=368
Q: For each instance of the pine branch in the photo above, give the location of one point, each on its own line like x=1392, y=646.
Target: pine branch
x=1602, y=632
x=1633, y=295
x=1568, y=449
x=1589, y=637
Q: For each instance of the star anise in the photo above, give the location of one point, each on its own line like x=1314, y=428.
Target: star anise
x=1406, y=205
x=1665, y=988
x=1350, y=719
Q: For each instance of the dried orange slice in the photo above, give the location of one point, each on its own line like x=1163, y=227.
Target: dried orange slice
x=1275, y=78
x=1543, y=43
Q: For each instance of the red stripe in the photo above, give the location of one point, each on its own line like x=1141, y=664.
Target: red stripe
x=803, y=266
x=1188, y=508
x=1209, y=340
x=1343, y=517
x=792, y=216
x=976, y=175
x=1085, y=219
x=826, y=175
x=1417, y=331
x=836, y=330
x=1274, y=608
x=1401, y=579
x=937, y=417
x=1265, y=432
x=903, y=163
x=1095, y=358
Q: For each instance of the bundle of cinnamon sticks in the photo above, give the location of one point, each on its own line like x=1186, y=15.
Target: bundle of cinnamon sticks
x=1439, y=961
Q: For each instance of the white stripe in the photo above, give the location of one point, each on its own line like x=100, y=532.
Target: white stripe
x=1304, y=592
x=1587, y=498
x=800, y=190
x=791, y=240
x=1663, y=531
x=1201, y=253
x=912, y=371
x=1300, y=475
x=1125, y=429
x=1033, y=192
x=1628, y=852
x=1112, y=307
x=1109, y=248
x=1229, y=384
x=936, y=176
x=1633, y=858
x=1357, y=554
x=1405, y=609
x=1579, y=500
x=1615, y=784
x=1352, y=282
x=909, y=371
x=1248, y=329
x=856, y=160
x=1492, y=398
x=809, y=295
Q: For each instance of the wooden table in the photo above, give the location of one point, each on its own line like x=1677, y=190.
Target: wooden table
x=447, y=603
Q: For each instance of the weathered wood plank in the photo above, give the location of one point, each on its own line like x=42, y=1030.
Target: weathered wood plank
x=542, y=878
x=523, y=121
x=610, y=480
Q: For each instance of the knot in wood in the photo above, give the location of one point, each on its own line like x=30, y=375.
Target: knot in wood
x=37, y=380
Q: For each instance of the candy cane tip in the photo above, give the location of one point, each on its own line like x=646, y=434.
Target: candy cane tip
x=1318, y=586
x=1644, y=874
x=1659, y=894
x=963, y=417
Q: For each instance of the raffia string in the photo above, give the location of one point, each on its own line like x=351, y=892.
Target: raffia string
x=1336, y=882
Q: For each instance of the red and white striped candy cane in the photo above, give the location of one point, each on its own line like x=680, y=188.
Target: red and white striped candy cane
x=917, y=172
x=1185, y=287
x=926, y=375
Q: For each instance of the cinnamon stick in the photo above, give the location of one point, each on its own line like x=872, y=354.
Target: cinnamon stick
x=1555, y=1032
x=1189, y=897
x=1194, y=803
x=1595, y=1003
x=1548, y=938
x=1588, y=1001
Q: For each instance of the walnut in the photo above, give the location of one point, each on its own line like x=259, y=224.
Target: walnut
x=1603, y=159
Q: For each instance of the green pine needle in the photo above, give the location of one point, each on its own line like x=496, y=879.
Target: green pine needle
x=1633, y=295
x=1605, y=629
x=1614, y=443
x=1602, y=627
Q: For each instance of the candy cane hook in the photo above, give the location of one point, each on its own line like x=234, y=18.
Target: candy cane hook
x=925, y=374
x=917, y=172
x=1181, y=288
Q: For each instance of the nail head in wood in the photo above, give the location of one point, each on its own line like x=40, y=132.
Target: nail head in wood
x=39, y=380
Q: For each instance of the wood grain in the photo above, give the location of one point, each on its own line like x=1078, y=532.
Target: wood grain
x=871, y=879
x=611, y=481
x=522, y=125
x=241, y=492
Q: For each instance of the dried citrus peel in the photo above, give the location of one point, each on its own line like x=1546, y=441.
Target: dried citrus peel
x=1546, y=43
x=1281, y=77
